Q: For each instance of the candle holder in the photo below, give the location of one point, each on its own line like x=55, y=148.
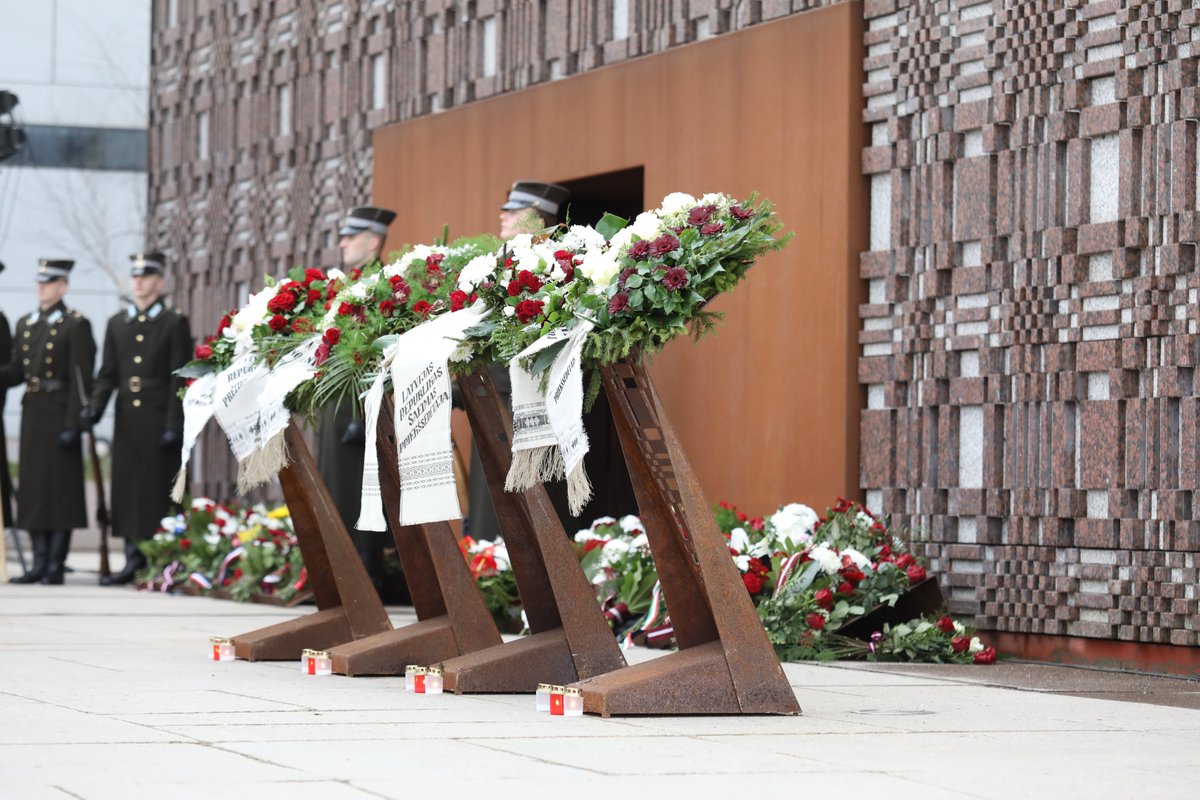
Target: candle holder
x=220, y=649
x=572, y=702
x=541, y=699
x=556, y=700
x=418, y=679
x=316, y=662
x=409, y=672
x=433, y=680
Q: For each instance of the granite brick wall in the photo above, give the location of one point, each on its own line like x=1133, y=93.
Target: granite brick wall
x=262, y=113
x=1030, y=344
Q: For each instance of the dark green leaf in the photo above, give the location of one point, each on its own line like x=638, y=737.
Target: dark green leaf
x=609, y=224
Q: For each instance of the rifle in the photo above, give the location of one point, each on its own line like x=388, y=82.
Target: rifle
x=98, y=476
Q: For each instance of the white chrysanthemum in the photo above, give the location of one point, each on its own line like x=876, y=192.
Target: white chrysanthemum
x=520, y=240
x=640, y=542
x=621, y=241
x=335, y=274
x=647, y=226
x=600, y=268
x=794, y=524
x=582, y=237
x=827, y=558
x=501, y=556
x=675, y=203
x=630, y=523
x=860, y=561
x=510, y=311
x=359, y=291
x=557, y=273
x=721, y=201
x=602, y=521
x=462, y=352
x=527, y=258
x=739, y=540
x=614, y=550
x=587, y=535
x=863, y=519
x=476, y=271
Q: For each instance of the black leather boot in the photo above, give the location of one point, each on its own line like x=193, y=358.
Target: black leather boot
x=40, y=544
x=60, y=545
x=134, y=561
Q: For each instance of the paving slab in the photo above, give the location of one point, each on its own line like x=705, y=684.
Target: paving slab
x=107, y=693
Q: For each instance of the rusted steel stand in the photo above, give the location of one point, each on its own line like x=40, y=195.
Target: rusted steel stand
x=348, y=606
x=725, y=664
x=453, y=619
x=570, y=639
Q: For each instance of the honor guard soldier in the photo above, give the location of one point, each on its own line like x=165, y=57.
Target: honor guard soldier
x=53, y=354
x=341, y=442
x=6, y=354
x=143, y=346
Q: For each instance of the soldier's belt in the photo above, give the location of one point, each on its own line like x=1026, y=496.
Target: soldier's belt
x=137, y=384
x=36, y=384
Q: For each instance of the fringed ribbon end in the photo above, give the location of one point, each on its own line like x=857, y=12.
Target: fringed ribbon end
x=179, y=485
x=533, y=466
x=262, y=465
x=579, y=489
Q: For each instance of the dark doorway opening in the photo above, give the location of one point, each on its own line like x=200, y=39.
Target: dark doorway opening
x=619, y=192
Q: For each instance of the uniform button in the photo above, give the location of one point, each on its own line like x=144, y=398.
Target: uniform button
x=141, y=317
x=49, y=360
x=54, y=331
x=49, y=374
x=26, y=360
x=25, y=347
x=27, y=334
x=137, y=359
x=137, y=403
x=49, y=345
x=139, y=337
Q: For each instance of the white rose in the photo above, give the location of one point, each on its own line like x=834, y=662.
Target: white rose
x=742, y=562
x=794, y=524
x=860, y=561
x=863, y=519
x=336, y=274
x=501, y=556
x=476, y=271
x=600, y=268
x=630, y=523
x=976, y=645
x=510, y=311
x=739, y=540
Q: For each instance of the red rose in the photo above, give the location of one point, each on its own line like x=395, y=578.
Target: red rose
x=562, y=255
x=885, y=553
x=915, y=573
x=355, y=274
x=945, y=625
x=225, y=322
x=313, y=296
x=986, y=656
x=757, y=524
x=592, y=544
x=387, y=307
x=663, y=245
x=184, y=544
x=675, y=278
x=740, y=213
x=282, y=303
x=824, y=598
x=203, y=352
x=312, y=274
x=753, y=583
x=618, y=303
x=328, y=304
x=853, y=575
x=458, y=299
x=816, y=621
x=400, y=289
x=700, y=215
x=959, y=643
x=278, y=323
x=332, y=288
x=345, y=309
x=905, y=561
x=845, y=587
x=711, y=228
x=421, y=308
x=333, y=335
x=528, y=310
x=639, y=250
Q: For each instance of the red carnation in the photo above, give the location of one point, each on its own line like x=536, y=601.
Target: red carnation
x=528, y=310
x=333, y=335
x=663, y=245
x=619, y=302
x=741, y=213
x=675, y=278
x=278, y=323
x=853, y=575
x=421, y=308
x=915, y=573
x=526, y=280
x=387, y=307
x=332, y=288
x=433, y=259
x=203, y=352
x=514, y=288
x=639, y=250
x=184, y=544
x=282, y=303
x=711, y=228
x=700, y=215
x=753, y=582
x=945, y=625
x=458, y=299
x=400, y=289
x=313, y=296
x=986, y=656
x=816, y=621
x=959, y=644
x=355, y=274
x=845, y=587
x=824, y=598
x=313, y=274
x=562, y=255
x=302, y=325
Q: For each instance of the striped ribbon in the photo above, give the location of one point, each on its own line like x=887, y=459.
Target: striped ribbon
x=229, y=559
x=651, y=615
x=785, y=571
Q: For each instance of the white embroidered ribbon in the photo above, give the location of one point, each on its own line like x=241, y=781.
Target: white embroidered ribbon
x=421, y=387
x=370, y=514
x=549, y=440
x=197, y=411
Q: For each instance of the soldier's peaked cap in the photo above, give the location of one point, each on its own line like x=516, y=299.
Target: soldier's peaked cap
x=53, y=269
x=366, y=218
x=545, y=197
x=147, y=264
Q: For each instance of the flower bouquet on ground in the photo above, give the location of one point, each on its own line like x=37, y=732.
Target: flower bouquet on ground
x=489, y=565
x=615, y=556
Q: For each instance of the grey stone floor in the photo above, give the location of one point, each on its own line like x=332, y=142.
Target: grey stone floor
x=106, y=693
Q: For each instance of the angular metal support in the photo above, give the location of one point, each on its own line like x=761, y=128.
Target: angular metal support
x=453, y=616
x=349, y=606
x=570, y=639
x=725, y=664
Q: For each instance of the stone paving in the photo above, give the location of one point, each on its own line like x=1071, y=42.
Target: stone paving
x=107, y=693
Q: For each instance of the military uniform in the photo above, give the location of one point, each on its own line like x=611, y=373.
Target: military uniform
x=5, y=478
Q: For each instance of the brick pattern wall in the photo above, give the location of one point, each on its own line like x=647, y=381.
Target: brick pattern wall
x=262, y=113
x=1030, y=344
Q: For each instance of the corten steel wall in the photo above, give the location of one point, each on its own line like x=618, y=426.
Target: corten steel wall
x=768, y=408
x=1029, y=348
x=261, y=113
